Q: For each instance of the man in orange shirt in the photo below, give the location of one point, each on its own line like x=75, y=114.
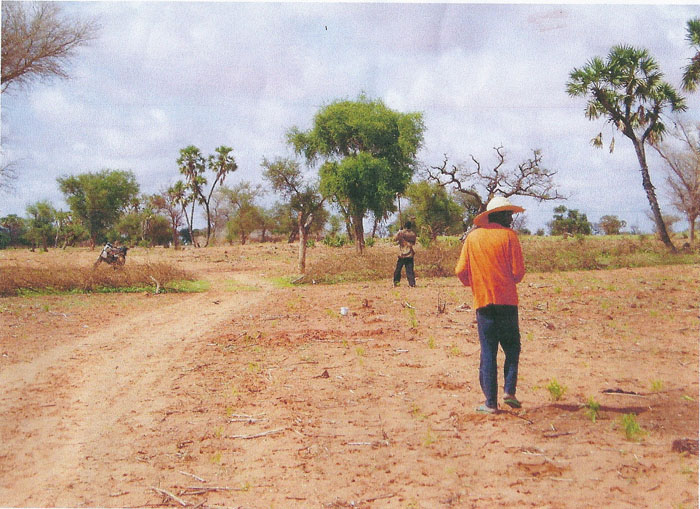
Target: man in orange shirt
x=491, y=262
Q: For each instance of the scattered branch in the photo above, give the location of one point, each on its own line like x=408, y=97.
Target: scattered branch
x=170, y=496
x=258, y=435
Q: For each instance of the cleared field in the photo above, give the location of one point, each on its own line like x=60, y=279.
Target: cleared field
x=255, y=393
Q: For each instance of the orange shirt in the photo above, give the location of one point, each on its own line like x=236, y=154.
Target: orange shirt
x=491, y=263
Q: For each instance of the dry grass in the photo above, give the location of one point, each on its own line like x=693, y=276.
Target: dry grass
x=542, y=254
x=60, y=277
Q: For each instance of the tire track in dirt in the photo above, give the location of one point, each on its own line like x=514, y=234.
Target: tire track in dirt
x=75, y=398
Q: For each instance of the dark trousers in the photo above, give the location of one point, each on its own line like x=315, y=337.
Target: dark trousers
x=408, y=263
x=498, y=325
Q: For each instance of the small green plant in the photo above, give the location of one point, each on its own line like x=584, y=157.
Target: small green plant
x=254, y=367
x=687, y=398
x=360, y=351
x=592, y=409
x=631, y=427
x=216, y=458
x=429, y=438
x=431, y=343
x=412, y=320
x=454, y=351
x=416, y=412
x=657, y=385
x=556, y=391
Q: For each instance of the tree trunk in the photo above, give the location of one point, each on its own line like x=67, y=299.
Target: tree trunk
x=303, y=236
x=206, y=206
x=189, y=225
x=651, y=196
x=692, y=220
x=359, y=233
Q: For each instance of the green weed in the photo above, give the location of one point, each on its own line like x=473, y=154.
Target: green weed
x=631, y=427
x=657, y=385
x=431, y=343
x=430, y=438
x=556, y=391
x=592, y=409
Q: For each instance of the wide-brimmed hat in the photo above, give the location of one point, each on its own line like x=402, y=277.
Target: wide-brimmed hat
x=497, y=204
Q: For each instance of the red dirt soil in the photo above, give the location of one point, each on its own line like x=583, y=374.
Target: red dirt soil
x=253, y=394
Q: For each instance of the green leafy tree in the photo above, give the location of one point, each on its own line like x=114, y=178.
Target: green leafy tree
x=571, y=222
x=691, y=73
x=611, y=225
x=628, y=90
x=285, y=177
x=41, y=224
x=245, y=221
x=194, y=166
x=368, y=154
x=68, y=231
x=433, y=209
x=16, y=228
x=98, y=199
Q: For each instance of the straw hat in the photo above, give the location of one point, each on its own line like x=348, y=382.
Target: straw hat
x=497, y=204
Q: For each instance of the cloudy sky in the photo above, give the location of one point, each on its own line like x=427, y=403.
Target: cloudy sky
x=162, y=76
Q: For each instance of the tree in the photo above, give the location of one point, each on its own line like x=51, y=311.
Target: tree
x=683, y=173
x=433, y=209
x=611, y=225
x=245, y=221
x=183, y=199
x=37, y=41
x=165, y=202
x=573, y=223
x=691, y=73
x=193, y=166
x=41, y=227
x=8, y=173
x=285, y=177
x=368, y=154
x=628, y=90
x=16, y=228
x=68, y=230
x=480, y=185
x=98, y=199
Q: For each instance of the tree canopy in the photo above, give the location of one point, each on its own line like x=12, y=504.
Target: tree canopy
x=691, y=73
x=628, y=90
x=368, y=154
x=37, y=41
x=98, y=199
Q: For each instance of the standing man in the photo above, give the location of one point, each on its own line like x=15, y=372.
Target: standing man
x=491, y=262
x=406, y=238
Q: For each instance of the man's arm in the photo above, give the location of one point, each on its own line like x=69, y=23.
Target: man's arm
x=516, y=256
x=462, y=270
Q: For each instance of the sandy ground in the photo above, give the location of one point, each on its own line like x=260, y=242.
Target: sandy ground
x=254, y=394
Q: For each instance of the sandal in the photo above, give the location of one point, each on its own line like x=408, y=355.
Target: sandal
x=483, y=409
x=511, y=401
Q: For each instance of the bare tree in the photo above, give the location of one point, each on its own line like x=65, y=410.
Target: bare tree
x=8, y=173
x=37, y=41
x=481, y=184
x=683, y=173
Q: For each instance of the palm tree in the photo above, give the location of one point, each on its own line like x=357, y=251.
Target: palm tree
x=691, y=75
x=628, y=90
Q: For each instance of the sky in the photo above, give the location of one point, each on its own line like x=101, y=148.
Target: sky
x=164, y=75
